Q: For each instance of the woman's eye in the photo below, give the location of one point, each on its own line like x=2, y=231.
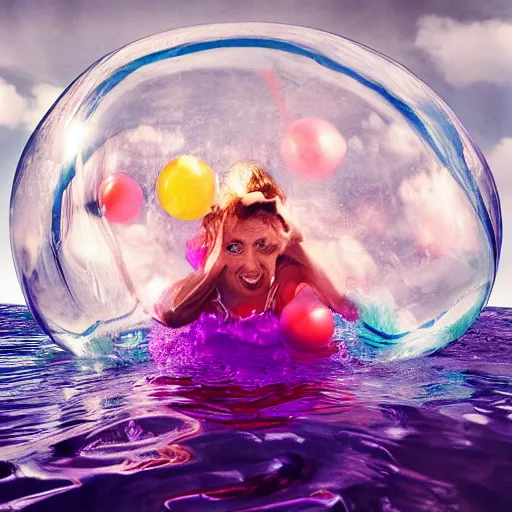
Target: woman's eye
x=235, y=248
x=265, y=247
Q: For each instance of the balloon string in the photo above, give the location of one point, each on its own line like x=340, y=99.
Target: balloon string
x=275, y=88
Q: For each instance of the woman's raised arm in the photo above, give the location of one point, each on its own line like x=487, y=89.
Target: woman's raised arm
x=185, y=300
x=328, y=284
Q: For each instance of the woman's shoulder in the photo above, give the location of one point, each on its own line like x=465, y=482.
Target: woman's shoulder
x=289, y=276
x=287, y=268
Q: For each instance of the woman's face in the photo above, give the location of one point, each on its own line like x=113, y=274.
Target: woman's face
x=249, y=254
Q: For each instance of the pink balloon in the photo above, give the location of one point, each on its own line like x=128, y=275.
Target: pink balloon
x=120, y=198
x=313, y=148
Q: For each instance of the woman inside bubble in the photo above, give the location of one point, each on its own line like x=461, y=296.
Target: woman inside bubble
x=255, y=258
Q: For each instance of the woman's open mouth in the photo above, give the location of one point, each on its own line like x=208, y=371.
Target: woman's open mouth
x=250, y=281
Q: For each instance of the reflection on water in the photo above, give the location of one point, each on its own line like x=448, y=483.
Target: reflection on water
x=335, y=434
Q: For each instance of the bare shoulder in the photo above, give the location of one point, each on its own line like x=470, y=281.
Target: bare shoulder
x=289, y=275
x=288, y=269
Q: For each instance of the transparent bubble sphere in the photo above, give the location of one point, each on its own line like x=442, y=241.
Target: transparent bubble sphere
x=410, y=214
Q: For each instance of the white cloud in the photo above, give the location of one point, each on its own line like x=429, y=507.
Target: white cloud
x=395, y=138
x=146, y=134
x=374, y=123
x=12, y=105
x=450, y=230
x=402, y=141
x=17, y=111
x=500, y=161
x=466, y=53
x=10, y=291
x=355, y=143
x=43, y=97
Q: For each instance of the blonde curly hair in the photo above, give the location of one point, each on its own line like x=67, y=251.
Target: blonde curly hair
x=244, y=178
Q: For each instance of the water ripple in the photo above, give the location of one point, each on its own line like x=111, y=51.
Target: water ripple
x=429, y=434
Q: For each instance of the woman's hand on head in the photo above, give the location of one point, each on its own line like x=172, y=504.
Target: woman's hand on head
x=293, y=233
x=251, y=198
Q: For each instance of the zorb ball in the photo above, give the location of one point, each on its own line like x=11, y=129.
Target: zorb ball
x=378, y=173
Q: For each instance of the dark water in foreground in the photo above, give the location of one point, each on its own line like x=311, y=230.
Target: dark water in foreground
x=430, y=434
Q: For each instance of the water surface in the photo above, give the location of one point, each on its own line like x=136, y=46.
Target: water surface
x=336, y=434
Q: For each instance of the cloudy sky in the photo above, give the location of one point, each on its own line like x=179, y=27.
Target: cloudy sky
x=462, y=49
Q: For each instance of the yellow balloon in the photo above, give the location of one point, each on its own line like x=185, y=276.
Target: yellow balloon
x=186, y=188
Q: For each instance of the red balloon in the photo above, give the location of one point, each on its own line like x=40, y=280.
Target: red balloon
x=313, y=148
x=120, y=198
x=307, y=323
